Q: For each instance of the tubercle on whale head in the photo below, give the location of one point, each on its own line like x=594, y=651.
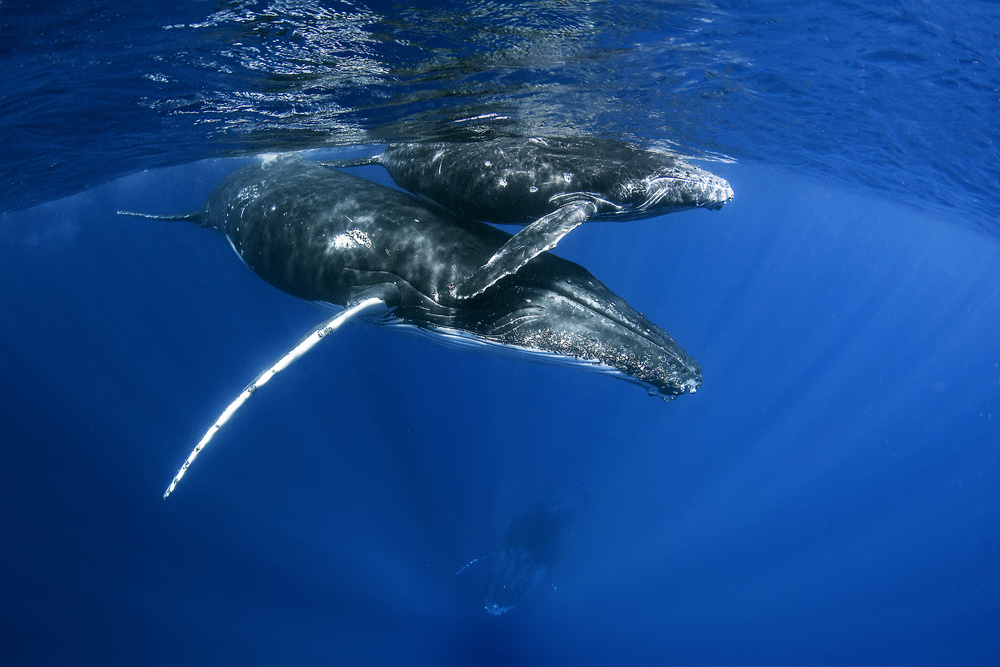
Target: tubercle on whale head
x=687, y=386
x=690, y=189
x=719, y=193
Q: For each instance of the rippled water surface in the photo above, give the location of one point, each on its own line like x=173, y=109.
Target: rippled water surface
x=895, y=97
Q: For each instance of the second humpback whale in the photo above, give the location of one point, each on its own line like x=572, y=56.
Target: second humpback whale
x=327, y=236
x=530, y=550
x=551, y=184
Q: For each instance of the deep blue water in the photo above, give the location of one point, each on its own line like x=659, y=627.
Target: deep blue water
x=829, y=496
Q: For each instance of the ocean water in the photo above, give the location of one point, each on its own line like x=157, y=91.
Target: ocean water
x=829, y=496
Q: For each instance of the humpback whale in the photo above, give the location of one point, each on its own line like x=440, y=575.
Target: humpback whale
x=551, y=184
x=390, y=258
x=531, y=548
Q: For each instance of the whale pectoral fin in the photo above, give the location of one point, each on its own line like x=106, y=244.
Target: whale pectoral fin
x=541, y=235
x=195, y=216
x=368, y=305
x=474, y=561
x=352, y=162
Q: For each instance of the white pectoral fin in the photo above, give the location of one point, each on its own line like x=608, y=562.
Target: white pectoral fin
x=299, y=349
x=541, y=235
x=351, y=162
x=475, y=560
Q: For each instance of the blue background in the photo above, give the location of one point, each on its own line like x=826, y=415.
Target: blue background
x=829, y=496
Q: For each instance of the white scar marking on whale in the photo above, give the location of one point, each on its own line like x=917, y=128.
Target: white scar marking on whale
x=350, y=239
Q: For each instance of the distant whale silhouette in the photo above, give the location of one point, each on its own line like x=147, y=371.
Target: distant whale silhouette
x=530, y=550
x=552, y=184
x=323, y=235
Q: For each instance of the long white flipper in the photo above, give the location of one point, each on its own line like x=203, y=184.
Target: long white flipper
x=281, y=364
x=475, y=560
x=541, y=235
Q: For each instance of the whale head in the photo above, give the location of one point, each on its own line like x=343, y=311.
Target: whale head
x=518, y=573
x=556, y=312
x=675, y=187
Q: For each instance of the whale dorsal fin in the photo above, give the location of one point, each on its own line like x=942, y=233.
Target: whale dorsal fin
x=541, y=235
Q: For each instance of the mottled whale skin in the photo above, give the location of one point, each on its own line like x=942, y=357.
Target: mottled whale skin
x=550, y=184
x=517, y=180
x=324, y=235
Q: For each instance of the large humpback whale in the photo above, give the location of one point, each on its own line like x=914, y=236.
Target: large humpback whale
x=386, y=256
x=551, y=184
